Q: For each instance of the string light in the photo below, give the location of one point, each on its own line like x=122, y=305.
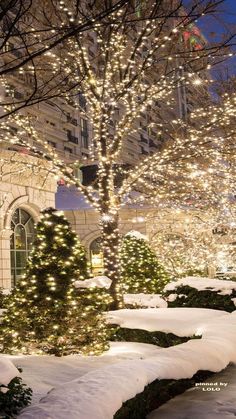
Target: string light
x=46, y=313
x=121, y=80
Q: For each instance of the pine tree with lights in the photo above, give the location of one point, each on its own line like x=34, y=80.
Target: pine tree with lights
x=140, y=270
x=46, y=313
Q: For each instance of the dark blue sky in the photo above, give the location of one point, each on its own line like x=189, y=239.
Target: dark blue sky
x=219, y=25
x=228, y=22
x=230, y=10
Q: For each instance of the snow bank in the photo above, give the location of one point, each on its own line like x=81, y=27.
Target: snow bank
x=100, y=393
x=97, y=281
x=203, y=284
x=145, y=300
x=182, y=321
x=7, y=371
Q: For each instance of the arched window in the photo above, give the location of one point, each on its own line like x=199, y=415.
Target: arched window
x=22, y=225
x=96, y=256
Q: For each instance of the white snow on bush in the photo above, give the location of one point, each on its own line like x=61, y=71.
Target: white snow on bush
x=136, y=235
x=101, y=392
x=182, y=321
x=96, y=282
x=203, y=284
x=145, y=300
x=172, y=297
x=8, y=371
x=234, y=301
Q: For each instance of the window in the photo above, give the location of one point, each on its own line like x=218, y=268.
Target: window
x=22, y=225
x=68, y=149
x=84, y=132
x=50, y=123
x=96, y=256
x=82, y=101
x=52, y=144
x=72, y=138
x=71, y=120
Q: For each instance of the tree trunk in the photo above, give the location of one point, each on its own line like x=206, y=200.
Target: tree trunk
x=111, y=239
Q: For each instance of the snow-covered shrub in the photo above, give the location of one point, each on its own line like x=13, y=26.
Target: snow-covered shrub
x=162, y=339
x=144, y=301
x=201, y=292
x=14, y=397
x=155, y=394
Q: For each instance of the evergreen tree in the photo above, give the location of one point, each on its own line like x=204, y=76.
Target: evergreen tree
x=46, y=313
x=140, y=269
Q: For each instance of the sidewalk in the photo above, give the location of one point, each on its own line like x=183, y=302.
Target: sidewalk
x=201, y=403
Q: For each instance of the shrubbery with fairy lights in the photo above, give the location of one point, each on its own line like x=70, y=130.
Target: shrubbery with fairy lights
x=46, y=313
x=141, y=271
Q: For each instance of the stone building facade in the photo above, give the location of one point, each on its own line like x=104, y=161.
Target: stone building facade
x=24, y=192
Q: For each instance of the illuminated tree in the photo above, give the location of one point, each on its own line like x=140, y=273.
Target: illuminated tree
x=46, y=313
x=140, y=270
x=33, y=32
x=30, y=31
x=135, y=67
x=193, y=242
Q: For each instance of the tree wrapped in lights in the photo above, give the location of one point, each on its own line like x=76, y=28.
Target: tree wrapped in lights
x=31, y=31
x=186, y=254
x=135, y=66
x=192, y=242
x=46, y=313
x=140, y=270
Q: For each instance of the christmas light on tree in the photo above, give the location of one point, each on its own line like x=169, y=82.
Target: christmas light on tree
x=46, y=313
x=129, y=78
x=140, y=270
x=192, y=242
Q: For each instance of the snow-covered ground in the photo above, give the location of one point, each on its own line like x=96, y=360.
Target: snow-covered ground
x=44, y=372
x=201, y=403
x=95, y=388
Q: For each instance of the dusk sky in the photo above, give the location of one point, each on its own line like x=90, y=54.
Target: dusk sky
x=230, y=7
x=223, y=22
x=229, y=16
